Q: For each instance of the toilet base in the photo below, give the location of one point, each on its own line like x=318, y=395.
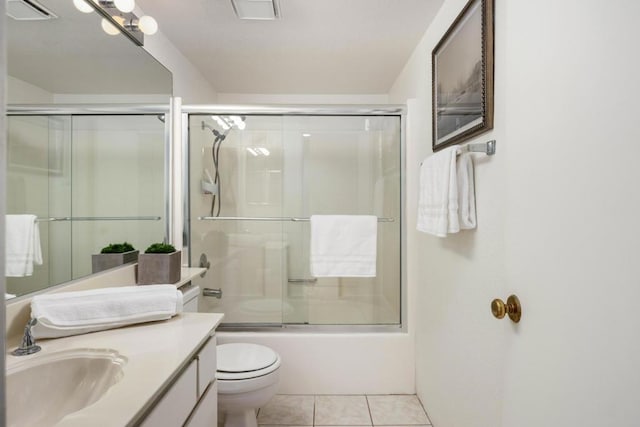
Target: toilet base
x=241, y=419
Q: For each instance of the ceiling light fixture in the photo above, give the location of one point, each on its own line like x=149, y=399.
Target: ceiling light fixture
x=119, y=18
x=148, y=25
x=109, y=28
x=83, y=6
x=261, y=10
x=125, y=6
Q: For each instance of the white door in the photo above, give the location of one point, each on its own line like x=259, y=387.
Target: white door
x=572, y=226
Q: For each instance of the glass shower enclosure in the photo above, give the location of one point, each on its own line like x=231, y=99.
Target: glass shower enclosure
x=255, y=179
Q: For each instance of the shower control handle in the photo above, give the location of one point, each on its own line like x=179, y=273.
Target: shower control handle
x=204, y=263
x=208, y=292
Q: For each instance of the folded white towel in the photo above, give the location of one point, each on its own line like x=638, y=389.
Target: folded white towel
x=438, y=198
x=343, y=245
x=447, y=196
x=72, y=313
x=22, y=245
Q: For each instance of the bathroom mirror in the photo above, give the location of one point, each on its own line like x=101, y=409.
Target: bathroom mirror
x=90, y=178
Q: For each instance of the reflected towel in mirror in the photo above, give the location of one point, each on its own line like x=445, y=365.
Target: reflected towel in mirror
x=22, y=245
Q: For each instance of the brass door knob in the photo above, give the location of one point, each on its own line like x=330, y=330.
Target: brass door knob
x=512, y=308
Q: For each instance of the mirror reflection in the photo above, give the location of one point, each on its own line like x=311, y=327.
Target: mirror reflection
x=70, y=59
x=80, y=178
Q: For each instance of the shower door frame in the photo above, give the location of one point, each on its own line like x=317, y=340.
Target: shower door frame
x=303, y=110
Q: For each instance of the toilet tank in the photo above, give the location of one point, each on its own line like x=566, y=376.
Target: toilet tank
x=190, y=294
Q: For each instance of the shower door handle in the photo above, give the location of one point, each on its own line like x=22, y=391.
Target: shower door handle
x=313, y=280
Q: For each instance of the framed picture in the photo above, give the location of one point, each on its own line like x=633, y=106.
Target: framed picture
x=462, y=65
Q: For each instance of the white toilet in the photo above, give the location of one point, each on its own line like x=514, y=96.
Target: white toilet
x=247, y=375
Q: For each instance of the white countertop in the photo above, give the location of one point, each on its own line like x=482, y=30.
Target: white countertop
x=155, y=352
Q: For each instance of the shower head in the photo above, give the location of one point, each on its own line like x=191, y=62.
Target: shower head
x=219, y=136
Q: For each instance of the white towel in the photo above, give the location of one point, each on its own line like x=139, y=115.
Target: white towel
x=72, y=313
x=438, y=198
x=343, y=245
x=466, y=192
x=22, y=245
x=446, y=200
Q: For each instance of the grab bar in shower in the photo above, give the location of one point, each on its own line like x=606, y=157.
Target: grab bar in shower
x=259, y=218
x=314, y=280
x=100, y=218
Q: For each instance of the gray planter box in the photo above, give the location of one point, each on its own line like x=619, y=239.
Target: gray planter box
x=159, y=268
x=101, y=262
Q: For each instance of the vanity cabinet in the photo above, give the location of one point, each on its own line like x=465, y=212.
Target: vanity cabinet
x=192, y=399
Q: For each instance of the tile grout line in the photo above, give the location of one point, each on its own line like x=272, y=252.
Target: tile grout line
x=369, y=409
x=425, y=410
x=313, y=419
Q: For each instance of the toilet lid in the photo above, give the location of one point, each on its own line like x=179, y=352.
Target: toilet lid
x=242, y=357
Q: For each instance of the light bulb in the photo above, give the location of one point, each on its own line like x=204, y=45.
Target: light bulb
x=82, y=6
x=125, y=6
x=147, y=25
x=109, y=28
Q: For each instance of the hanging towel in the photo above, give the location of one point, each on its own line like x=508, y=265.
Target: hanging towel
x=343, y=245
x=438, y=198
x=72, y=313
x=22, y=245
x=466, y=192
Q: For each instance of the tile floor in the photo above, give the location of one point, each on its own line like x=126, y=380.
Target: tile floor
x=321, y=410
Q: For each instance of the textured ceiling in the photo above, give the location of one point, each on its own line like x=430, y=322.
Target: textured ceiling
x=318, y=46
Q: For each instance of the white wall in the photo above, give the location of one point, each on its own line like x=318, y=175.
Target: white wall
x=21, y=92
x=188, y=82
x=556, y=225
x=256, y=98
x=458, y=370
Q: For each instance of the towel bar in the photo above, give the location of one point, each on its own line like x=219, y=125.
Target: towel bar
x=100, y=218
x=488, y=148
x=257, y=218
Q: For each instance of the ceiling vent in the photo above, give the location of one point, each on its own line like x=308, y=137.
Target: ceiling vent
x=262, y=10
x=28, y=10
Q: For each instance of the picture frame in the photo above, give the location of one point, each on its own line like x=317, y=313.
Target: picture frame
x=462, y=76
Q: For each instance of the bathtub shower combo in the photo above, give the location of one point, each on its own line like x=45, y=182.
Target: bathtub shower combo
x=255, y=177
x=252, y=177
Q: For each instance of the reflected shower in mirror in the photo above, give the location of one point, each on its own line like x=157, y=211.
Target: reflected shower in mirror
x=89, y=180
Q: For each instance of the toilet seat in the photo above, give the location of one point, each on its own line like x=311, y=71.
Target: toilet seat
x=241, y=361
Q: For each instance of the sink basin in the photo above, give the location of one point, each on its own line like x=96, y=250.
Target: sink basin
x=44, y=388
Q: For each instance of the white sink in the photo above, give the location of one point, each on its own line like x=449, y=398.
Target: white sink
x=44, y=388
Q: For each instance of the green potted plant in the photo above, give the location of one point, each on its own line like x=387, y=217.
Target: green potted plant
x=160, y=263
x=113, y=255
